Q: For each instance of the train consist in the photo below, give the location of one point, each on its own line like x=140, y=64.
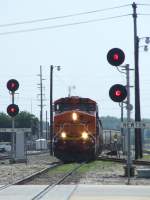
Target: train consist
x=77, y=129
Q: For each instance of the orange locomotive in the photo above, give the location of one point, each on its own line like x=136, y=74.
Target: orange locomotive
x=77, y=129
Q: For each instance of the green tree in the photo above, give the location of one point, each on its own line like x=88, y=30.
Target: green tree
x=22, y=120
x=26, y=120
x=109, y=122
x=5, y=121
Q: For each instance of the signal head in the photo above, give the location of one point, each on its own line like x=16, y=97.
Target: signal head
x=12, y=110
x=118, y=93
x=115, y=56
x=12, y=85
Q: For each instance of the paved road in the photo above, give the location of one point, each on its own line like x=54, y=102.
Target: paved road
x=78, y=192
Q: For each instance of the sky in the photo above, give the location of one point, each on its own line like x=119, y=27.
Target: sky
x=79, y=49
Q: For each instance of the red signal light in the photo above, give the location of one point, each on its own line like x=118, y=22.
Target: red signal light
x=115, y=56
x=12, y=110
x=118, y=93
x=12, y=85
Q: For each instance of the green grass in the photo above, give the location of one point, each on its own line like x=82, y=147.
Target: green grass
x=91, y=166
x=63, y=168
x=99, y=165
x=146, y=157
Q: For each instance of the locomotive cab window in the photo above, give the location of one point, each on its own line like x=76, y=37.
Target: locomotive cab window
x=87, y=107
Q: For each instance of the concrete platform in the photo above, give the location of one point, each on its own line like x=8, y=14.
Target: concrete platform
x=78, y=192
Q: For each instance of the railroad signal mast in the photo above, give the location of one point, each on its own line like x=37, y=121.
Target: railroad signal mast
x=116, y=57
x=12, y=86
x=118, y=93
x=12, y=110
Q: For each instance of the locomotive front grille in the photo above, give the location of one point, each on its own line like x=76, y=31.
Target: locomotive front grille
x=74, y=130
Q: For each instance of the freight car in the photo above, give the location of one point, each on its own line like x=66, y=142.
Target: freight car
x=113, y=141
x=77, y=129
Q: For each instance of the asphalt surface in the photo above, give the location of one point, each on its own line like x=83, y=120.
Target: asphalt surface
x=78, y=192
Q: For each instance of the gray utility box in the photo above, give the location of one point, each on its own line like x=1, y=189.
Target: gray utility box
x=18, y=143
x=20, y=151
x=143, y=173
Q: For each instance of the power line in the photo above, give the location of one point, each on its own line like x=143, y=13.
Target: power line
x=144, y=14
x=144, y=4
x=61, y=17
x=62, y=25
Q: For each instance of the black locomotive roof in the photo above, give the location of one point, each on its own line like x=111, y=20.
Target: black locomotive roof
x=74, y=99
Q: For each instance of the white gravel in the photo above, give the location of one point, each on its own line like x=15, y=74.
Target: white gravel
x=9, y=173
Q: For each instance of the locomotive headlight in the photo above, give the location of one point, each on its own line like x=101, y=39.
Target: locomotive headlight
x=74, y=116
x=63, y=135
x=84, y=135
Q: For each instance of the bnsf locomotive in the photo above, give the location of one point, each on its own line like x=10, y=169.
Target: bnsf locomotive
x=77, y=129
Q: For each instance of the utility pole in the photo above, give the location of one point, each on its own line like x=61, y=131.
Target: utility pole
x=41, y=103
x=51, y=110
x=46, y=126
x=138, y=138
x=51, y=106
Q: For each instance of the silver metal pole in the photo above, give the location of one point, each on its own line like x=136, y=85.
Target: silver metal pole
x=128, y=120
x=13, y=133
x=122, y=130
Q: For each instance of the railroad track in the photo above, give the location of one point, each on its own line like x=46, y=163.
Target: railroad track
x=37, y=153
x=31, y=177
x=122, y=160
x=60, y=181
x=5, y=157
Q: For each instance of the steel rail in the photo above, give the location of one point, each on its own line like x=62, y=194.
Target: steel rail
x=122, y=160
x=61, y=180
